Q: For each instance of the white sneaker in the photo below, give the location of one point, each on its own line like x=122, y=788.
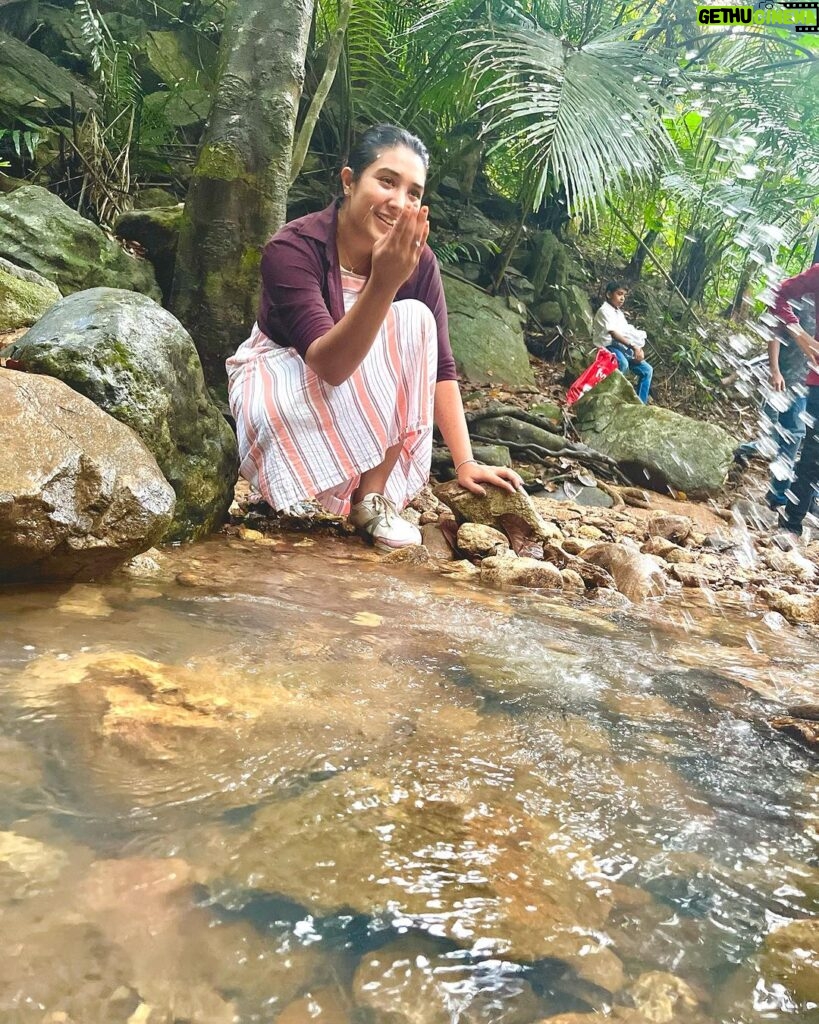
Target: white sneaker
x=376, y=518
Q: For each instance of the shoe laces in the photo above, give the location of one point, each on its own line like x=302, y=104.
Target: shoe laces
x=381, y=507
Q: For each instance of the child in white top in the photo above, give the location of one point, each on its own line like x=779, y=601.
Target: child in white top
x=613, y=331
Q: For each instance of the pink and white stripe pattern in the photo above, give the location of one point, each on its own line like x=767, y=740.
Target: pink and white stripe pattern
x=301, y=438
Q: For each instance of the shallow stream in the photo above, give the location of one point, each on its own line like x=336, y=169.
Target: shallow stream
x=288, y=783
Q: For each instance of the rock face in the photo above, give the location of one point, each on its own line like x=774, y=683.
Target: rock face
x=29, y=81
x=157, y=231
x=647, y=441
x=80, y=493
x=487, y=336
x=24, y=296
x=135, y=360
x=39, y=232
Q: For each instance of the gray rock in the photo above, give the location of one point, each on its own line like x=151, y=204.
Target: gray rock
x=133, y=359
x=29, y=81
x=24, y=296
x=157, y=231
x=38, y=231
x=80, y=494
x=487, y=337
x=654, y=445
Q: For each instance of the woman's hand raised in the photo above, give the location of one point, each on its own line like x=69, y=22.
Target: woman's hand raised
x=396, y=255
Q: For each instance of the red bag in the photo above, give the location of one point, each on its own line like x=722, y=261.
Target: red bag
x=605, y=363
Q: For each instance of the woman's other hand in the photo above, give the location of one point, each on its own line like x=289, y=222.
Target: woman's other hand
x=396, y=255
x=472, y=474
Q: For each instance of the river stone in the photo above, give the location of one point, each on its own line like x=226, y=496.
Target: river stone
x=482, y=541
x=397, y=846
x=38, y=231
x=79, y=492
x=649, y=442
x=663, y=998
x=134, y=359
x=513, y=514
x=635, y=575
x=27, y=866
x=790, y=957
x=327, y=1005
x=486, y=336
x=412, y=981
x=24, y=296
x=500, y=570
x=671, y=527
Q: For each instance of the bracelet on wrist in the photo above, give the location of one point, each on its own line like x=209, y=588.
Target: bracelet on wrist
x=465, y=462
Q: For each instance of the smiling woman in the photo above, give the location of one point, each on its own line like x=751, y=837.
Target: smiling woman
x=335, y=391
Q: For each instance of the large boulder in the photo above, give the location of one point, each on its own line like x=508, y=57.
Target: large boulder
x=653, y=445
x=79, y=493
x=24, y=296
x=133, y=359
x=31, y=83
x=487, y=336
x=38, y=231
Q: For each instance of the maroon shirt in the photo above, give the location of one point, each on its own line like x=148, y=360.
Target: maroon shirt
x=797, y=288
x=301, y=287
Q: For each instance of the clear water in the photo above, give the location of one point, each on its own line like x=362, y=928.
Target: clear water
x=297, y=785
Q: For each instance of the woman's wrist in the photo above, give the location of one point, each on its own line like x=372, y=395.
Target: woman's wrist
x=466, y=462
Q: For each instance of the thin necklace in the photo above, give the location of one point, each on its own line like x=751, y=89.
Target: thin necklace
x=342, y=259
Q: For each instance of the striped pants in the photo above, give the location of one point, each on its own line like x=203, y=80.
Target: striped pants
x=301, y=438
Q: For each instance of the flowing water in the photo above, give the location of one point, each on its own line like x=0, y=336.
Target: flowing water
x=289, y=783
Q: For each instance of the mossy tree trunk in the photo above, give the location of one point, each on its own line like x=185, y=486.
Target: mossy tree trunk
x=238, y=191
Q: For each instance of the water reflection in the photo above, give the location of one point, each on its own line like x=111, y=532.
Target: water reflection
x=294, y=786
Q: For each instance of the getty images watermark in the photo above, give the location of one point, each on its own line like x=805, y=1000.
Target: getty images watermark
x=802, y=16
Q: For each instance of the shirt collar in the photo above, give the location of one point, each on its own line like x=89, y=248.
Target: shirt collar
x=322, y=225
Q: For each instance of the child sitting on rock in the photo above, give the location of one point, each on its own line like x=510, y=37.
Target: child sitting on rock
x=613, y=331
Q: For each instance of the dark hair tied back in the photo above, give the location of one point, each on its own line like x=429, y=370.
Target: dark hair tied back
x=378, y=138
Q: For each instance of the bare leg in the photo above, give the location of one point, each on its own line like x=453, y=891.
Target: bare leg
x=375, y=480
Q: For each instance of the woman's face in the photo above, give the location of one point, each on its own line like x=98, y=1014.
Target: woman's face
x=395, y=179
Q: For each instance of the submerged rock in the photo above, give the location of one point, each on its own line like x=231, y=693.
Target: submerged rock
x=38, y=231
x=635, y=575
x=652, y=443
x=81, y=493
x=452, y=859
x=790, y=957
x=134, y=359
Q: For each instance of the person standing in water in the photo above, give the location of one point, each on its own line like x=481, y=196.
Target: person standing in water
x=335, y=391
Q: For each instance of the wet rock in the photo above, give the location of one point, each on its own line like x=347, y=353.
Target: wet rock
x=662, y=998
x=412, y=982
x=790, y=957
x=373, y=845
x=635, y=575
x=144, y=566
x=133, y=359
x=804, y=730
x=38, y=231
x=27, y=866
x=481, y=541
x=80, y=494
x=435, y=542
x=669, y=526
x=328, y=1005
x=695, y=575
x=572, y=580
x=659, y=546
x=24, y=296
x=791, y=563
x=414, y=554
x=461, y=569
x=513, y=514
x=689, y=455
x=192, y=959
x=21, y=769
x=681, y=556
x=798, y=608
x=500, y=570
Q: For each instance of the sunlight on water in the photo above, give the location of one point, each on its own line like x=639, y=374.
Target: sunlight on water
x=331, y=792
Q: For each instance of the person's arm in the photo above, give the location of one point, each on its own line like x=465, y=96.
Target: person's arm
x=777, y=380
x=336, y=355
x=449, y=415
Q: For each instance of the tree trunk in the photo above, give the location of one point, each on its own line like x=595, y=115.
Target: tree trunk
x=238, y=191
x=635, y=266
